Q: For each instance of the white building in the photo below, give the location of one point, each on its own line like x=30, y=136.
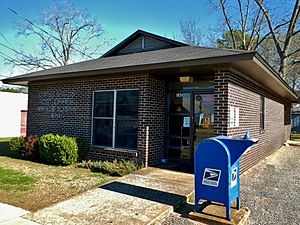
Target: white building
x=11, y=107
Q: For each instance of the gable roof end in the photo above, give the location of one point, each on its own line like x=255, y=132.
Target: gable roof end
x=139, y=33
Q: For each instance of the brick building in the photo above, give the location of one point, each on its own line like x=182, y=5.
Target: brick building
x=151, y=98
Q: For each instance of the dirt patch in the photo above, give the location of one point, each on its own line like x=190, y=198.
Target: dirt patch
x=53, y=184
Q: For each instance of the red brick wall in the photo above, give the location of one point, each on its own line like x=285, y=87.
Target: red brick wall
x=232, y=90
x=65, y=107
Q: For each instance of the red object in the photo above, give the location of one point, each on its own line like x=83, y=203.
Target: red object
x=207, y=99
x=23, y=122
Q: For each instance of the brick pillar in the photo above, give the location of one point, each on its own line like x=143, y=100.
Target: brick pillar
x=221, y=103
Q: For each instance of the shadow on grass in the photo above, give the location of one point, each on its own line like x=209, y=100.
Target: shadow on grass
x=5, y=151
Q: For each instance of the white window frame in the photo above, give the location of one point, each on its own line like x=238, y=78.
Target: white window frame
x=113, y=118
x=262, y=112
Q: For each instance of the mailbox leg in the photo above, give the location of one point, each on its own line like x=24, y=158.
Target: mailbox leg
x=197, y=208
x=228, y=215
x=238, y=203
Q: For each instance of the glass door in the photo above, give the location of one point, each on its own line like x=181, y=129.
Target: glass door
x=202, y=118
x=179, y=126
x=191, y=117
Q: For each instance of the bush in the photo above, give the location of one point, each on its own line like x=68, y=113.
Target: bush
x=58, y=150
x=26, y=147
x=115, y=168
x=15, y=144
x=81, y=145
x=29, y=149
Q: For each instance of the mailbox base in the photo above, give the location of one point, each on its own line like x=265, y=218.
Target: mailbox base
x=215, y=214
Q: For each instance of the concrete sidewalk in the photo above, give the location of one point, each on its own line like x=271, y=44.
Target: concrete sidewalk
x=138, y=198
x=10, y=215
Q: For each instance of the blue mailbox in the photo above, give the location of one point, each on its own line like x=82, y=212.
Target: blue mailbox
x=217, y=172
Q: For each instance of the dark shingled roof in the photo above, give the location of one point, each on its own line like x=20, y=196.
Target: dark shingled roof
x=177, y=54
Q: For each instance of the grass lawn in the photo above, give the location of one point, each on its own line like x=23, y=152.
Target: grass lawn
x=34, y=186
x=13, y=180
x=4, y=139
x=295, y=136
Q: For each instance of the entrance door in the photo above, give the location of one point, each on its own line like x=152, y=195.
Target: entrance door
x=190, y=121
x=202, y=119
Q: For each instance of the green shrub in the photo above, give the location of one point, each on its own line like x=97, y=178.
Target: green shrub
x=115, y=168
x=15, y=144
x=58, y=150
x=81, y=146
x=29, y=148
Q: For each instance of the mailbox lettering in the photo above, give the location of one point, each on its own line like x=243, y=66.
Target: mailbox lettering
x=233, y=177
x=211, y=177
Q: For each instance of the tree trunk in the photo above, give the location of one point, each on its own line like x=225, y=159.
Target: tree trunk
x=283, y=66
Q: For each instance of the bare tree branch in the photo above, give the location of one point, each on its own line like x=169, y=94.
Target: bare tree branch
x=269, y=33
x=282, y=50
x=227, y=20
x=65, y=35
x=271, y=27
x=190, y=32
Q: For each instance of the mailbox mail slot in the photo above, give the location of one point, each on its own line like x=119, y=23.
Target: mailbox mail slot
x=217, y=170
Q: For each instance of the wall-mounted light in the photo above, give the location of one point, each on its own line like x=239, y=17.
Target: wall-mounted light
x=186, y=79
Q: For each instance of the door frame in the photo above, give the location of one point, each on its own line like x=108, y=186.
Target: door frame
x=192, y=118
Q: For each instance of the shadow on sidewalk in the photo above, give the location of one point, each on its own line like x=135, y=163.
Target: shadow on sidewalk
x=177, y=167
x=146, y=193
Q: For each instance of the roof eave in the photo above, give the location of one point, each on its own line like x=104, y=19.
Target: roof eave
x=251, y=58
x=135, y=68
x=268, y=69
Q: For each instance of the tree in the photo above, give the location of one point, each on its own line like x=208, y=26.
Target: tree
x=243, y=24
x=272, y=31
x=283, y=44
x=193, y=35
x=233, y=40
x=14, y=89
x=65, y=35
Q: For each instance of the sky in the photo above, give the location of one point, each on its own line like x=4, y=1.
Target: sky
x=118, y=18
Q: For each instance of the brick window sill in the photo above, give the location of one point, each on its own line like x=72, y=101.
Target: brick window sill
x=120, y=150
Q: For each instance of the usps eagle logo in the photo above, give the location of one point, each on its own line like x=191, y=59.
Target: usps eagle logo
x=211, y=177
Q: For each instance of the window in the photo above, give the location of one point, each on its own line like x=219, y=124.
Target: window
x=262, y=113
x=115, y=116
x=287, y=115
